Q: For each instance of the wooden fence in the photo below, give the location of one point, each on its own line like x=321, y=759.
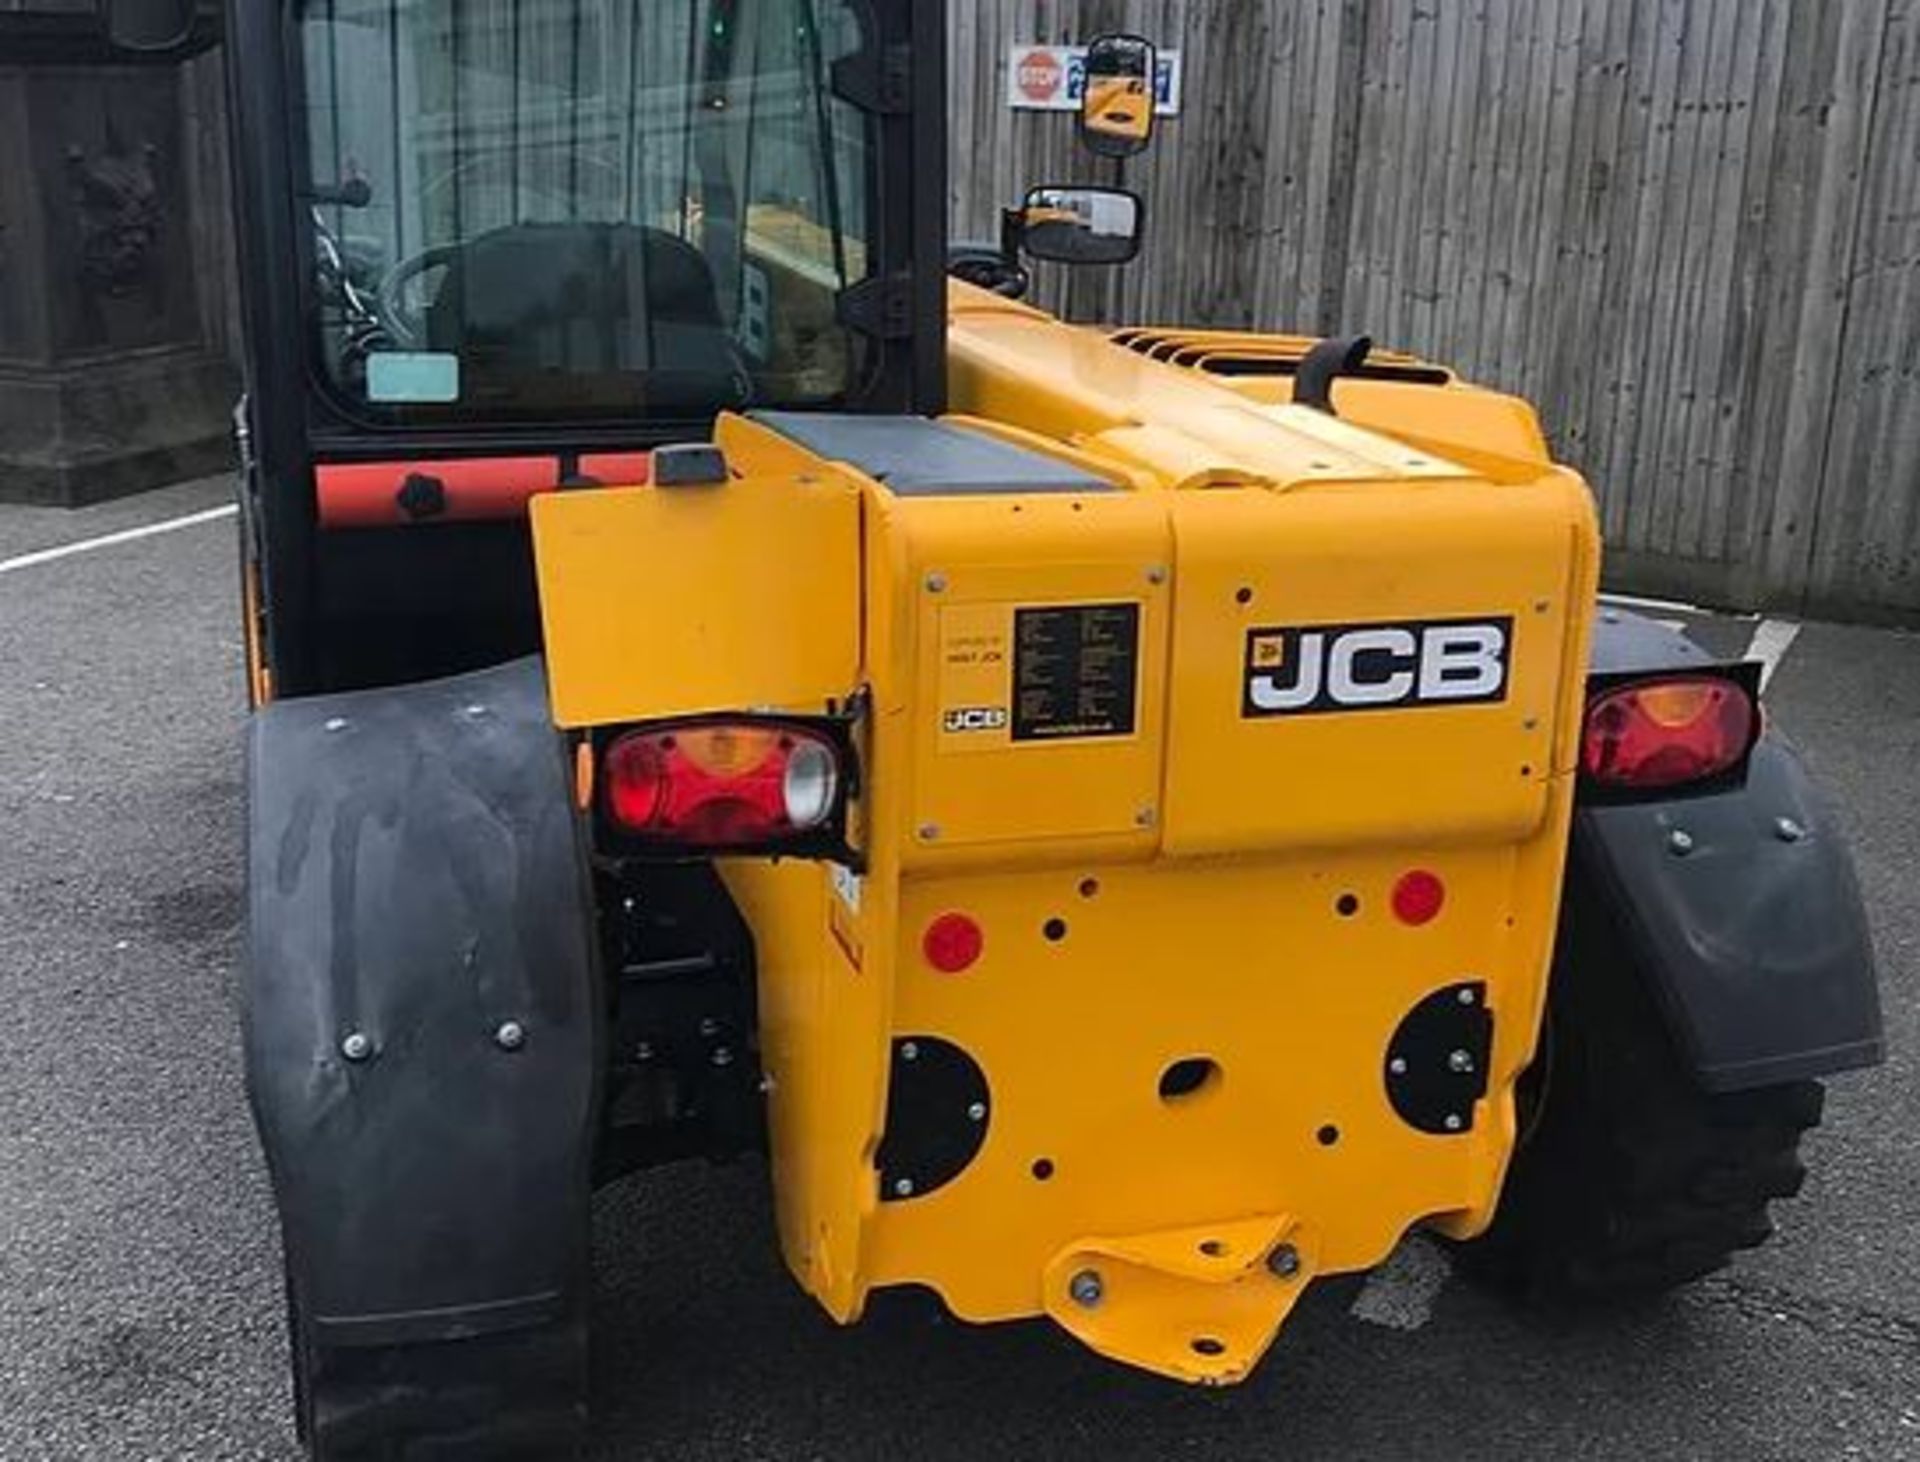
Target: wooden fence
x=1689, y=230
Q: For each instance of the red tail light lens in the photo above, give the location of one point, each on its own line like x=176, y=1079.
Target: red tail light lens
x=1665, y=733
x=721, y=784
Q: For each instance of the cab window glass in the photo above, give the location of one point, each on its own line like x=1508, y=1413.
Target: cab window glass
x=557, y=208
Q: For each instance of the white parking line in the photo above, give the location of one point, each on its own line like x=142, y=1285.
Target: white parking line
x=1400, y=1293
x=1664, y=606
x=1772, y=638
x=108, y=540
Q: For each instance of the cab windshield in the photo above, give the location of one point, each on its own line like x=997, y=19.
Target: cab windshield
x=579, y=209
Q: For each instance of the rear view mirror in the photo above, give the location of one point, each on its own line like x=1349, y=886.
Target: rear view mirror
x=1081, y=225
x=1117, y=98
x=149, y=25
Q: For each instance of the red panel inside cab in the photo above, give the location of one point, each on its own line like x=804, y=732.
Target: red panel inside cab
x=617, y=469
x=382, y=494
x=456, y=490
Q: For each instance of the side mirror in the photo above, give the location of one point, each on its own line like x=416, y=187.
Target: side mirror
x=1080, y=225
x=149, y=25
x=1117, y=97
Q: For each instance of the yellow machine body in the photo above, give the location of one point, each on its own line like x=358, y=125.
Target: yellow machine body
x=1166, y=876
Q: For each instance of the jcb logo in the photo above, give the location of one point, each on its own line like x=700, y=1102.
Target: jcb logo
x=1371, y=667
x=975, y=718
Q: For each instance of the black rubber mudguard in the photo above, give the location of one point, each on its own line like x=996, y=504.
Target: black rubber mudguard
x=1739, y=905
x=422, y=1018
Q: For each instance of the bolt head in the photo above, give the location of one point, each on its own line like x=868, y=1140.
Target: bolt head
x=1284, y=1261
x=903, y=1187
x=936, y=583
x=1144, y=817
x=476, y=710
x=1157, y=575
x=1453, y=1121
x=1398, y=1065
x=977, y=1112
x=357, y=1046
x=709, y=1026
x=929, y=832
x=909, y=1051
x=511, y=1035
x=1788, y=830
x=336, y=723
x=643, y=1051
x=722, y=1056
x=1460, y=1061
x=1465, y=997
x=1680, y=842
x=1086, y=1289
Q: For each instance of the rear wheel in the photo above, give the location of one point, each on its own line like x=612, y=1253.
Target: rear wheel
x=1631, y=1179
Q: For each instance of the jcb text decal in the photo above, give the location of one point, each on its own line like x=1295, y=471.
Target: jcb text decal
x=974, y=718
x=1376, y=667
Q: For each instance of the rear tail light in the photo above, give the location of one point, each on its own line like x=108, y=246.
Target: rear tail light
x=722, y=784
x=1666, y=733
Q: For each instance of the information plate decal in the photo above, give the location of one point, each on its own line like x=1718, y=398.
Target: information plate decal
x=1076, y=671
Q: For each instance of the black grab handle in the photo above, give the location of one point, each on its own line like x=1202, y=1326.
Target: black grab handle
x=1321, y=366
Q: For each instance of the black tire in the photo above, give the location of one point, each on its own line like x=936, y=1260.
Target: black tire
x=517, y=1396
x=1630, y=1179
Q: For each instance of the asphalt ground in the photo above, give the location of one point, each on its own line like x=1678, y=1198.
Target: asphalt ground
x=139, y=1283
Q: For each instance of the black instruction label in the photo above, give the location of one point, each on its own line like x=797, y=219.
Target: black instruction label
x=1075, y=671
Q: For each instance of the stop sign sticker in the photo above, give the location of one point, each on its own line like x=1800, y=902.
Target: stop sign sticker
x=1038, y=75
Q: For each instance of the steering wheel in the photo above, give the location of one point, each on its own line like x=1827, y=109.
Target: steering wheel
x=986, y=266
x=400, y=314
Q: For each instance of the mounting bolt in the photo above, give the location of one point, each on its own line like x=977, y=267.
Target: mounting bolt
x=1465, y=997
x=1460, y=1061
x=643, y=1051
x=936, y=583
x=1679, y=842
x=1398, y=1065
x=1787, y=830
x=1086, y=1289
x=709, y=1026
x=357, y=1046
x=977, y=1112
x=1143, y=818
x=929, y=832
x=1453, y=1121
x=722, y=1056
x=1157, y=574
x=903, y=1187
x=336, y=723
x=476, y=710
x=909, y=1051
x=511, y=1036
x=1532, y=723
x=1284, y=1261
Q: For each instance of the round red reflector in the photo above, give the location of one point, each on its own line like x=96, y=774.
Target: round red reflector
x=952, y=942
x=1417, y=897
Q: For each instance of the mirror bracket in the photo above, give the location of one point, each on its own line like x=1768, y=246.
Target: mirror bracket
x=880, y=306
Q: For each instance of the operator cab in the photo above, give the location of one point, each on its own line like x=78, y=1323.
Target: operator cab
x=495, y=251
